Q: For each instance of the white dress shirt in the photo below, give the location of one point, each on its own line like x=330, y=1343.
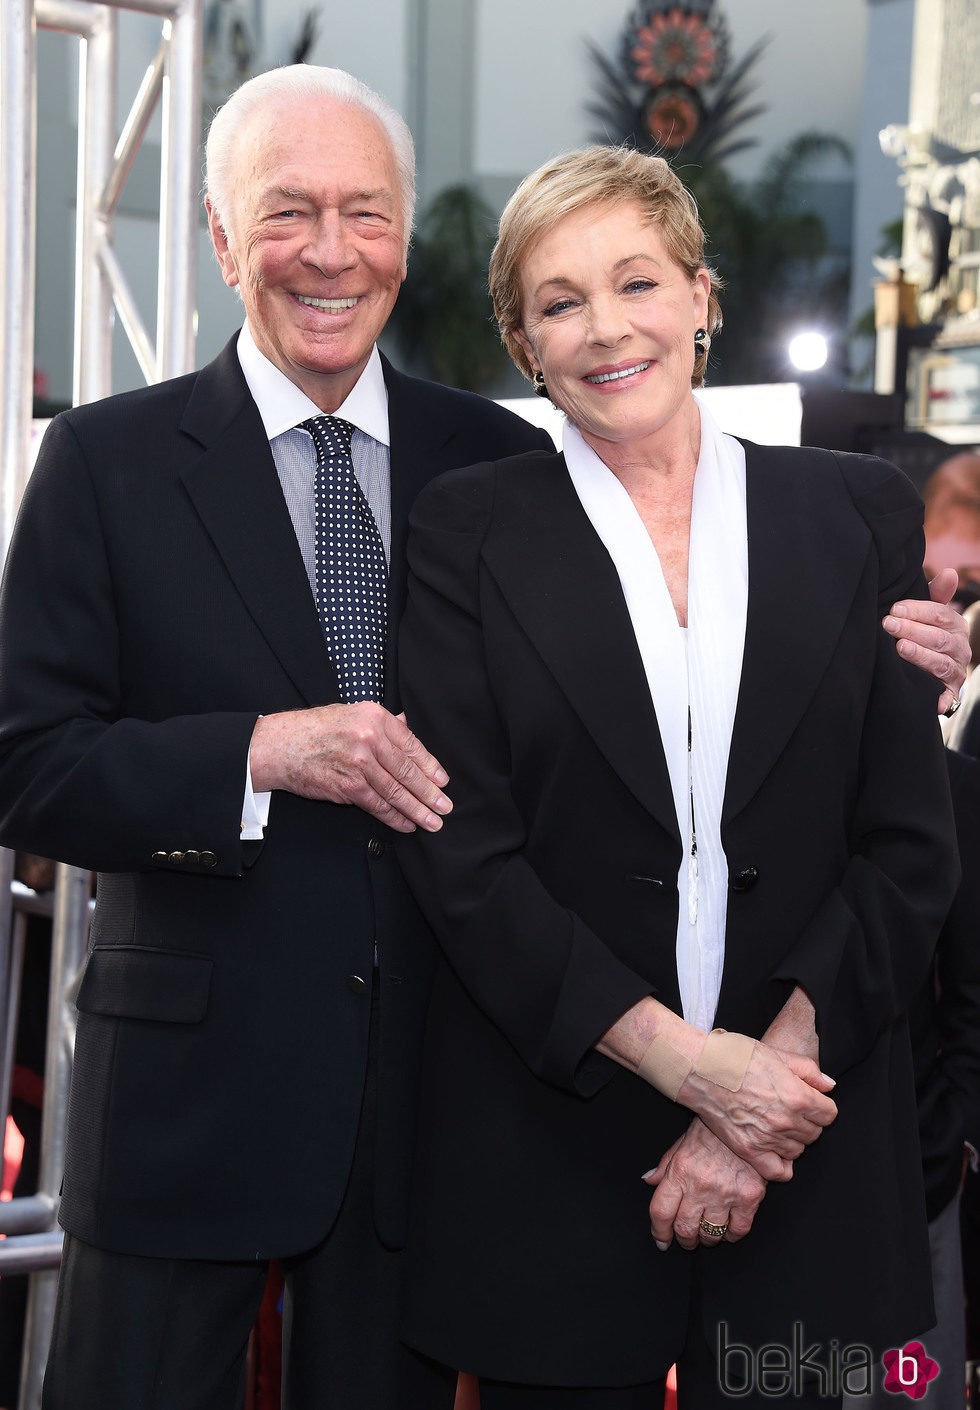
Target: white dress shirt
x=283, y=406
x=693, y=674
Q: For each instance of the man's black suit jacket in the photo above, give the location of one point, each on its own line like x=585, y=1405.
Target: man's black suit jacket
x=154, y=604
x=945, y=1020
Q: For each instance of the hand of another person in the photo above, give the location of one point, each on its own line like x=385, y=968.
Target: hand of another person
x=794, y=1029
x=933, y=636
x=700, y=1178
x=780, y=1108
x=357, y=754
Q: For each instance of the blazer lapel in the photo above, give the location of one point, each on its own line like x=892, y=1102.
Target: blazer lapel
x=235, y=490
x=562, y=586
x=802, y=550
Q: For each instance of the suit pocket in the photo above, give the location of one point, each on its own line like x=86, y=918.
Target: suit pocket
x=129, y=981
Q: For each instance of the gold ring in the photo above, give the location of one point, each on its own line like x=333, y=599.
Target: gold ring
x=952, y=709
x=714, y=1231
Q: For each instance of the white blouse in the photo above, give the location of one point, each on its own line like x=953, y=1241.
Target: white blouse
x=693, y=674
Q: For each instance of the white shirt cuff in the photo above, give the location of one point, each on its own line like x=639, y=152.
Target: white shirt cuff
x=255, y=809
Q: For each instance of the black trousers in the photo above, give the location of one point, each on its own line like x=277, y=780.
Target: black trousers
x=501, y=1395
x=135, y=1333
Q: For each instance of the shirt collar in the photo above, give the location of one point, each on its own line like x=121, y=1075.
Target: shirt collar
x=283, y=405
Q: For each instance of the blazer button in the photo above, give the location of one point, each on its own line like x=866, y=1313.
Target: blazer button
x=745, y=879
x=376, y=848
x=176, y=858
x=193, y=857
x=356, y=984
x=208, y=859
x=160, y=857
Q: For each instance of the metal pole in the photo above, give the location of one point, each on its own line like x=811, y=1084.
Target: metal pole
x=96, y=125
x=72, y=16
x=179, y=196
x=10, y=946
x=18, y=102
x=11, y=967
x=134, y=130
x=33, y=1252
x=25, y=1214
x=96, y=26
x=68, y=941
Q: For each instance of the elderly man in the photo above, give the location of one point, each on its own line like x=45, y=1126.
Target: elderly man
x=198, y=700
x=250, y=1014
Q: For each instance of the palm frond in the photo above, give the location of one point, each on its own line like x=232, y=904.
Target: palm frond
x=785, y=168
x=306, y=38
x=615, y=105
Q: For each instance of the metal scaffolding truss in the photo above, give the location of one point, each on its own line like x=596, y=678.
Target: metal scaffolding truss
x=105, y=158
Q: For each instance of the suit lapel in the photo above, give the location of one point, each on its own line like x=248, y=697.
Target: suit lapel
x=421, y=436
x=562, y=586
x=806, y=546
x=421, y=442
x=235, y=489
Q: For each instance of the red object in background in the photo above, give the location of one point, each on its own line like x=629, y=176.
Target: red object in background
x=468, y=1392
x=13, y=1154
x=265, y=1348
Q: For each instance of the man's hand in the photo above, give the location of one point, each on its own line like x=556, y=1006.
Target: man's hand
x=357, y=754
x=699, y=1178
x=933, y=636
x=794, y=1029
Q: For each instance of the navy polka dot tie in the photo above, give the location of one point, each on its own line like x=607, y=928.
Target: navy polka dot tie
x=351, y=573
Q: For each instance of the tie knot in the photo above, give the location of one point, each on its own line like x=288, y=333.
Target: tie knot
x=331, y=435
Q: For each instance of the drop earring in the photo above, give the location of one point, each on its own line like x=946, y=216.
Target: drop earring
x=702, y=342
x=539, y=387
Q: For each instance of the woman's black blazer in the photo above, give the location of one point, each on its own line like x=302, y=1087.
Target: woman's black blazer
x=552, y=890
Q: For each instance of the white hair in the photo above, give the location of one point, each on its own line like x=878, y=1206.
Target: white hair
x=301, y=81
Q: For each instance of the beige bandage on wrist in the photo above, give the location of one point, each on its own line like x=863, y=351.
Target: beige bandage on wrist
x=724, y=1060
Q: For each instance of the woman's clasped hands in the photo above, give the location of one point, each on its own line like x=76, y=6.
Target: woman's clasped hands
x=710, y=1183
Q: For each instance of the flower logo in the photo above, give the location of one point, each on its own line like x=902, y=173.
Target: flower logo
x=676, y=46
x=673, y=115
x=909, y=1370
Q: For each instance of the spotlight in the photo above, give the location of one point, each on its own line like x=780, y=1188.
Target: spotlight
x=808, y=352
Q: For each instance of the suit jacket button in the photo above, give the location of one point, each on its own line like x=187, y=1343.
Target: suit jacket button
x=745, y=879
x=176, y=858
x=376, y=847
x=356, y=984
x=193, y=857
x=208, y=859
x=160, y=857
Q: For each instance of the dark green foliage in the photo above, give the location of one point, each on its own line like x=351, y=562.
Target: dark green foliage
x=443, y=319
x=773, y=256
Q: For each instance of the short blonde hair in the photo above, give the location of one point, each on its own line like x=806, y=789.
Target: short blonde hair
x=595, y=176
